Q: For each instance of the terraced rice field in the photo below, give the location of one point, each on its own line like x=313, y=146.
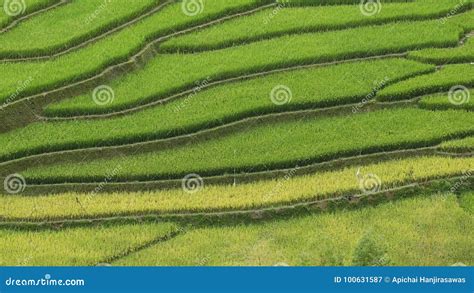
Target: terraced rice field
x=247, y=132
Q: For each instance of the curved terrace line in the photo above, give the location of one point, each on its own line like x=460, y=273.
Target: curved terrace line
x=12, y=162
x=249, y=40
x=44, y=99
x=188, y=91
x=454, y=154
x=217, y=83
x=35, y=190
x=148, y=52
x=316, y=204
x=209, y=85
x=269, y=36
x=69, y=49
x=342, y=106
x=466, y=37
x=125, y=253
x=438, y=67
x=32, y=14
x=208, y=132
x=462, y=43
x=312, y=3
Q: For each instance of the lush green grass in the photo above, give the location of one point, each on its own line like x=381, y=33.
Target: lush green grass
x=278, y=21
x=459, y=145
x=461, y=54
x=464, y=20
x=467, y=202
x=84, y=246
x=286, y=190
x=325, y=2
x=230, y=102
x=97, y=56
x=67, y=26
x=442, y=80
x=293, y=3
x=175, y=71
x=427, y=230
x=431, y=229
x=314, y=80
x=30, y=6
x=442, y=101
x=321, y=239
x=274, y=146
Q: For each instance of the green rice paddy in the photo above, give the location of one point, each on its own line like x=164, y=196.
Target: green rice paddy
x=241, y=133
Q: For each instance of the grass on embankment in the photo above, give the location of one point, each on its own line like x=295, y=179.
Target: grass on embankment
x=315, y=87
x=440, y=81
x=85, y=246
x=464, y=20
x=459, y=145
x=281, y=20
x=466, y=201
x=286, y=190
x=68, y=25
x=462, y=54
x=296, y=3
x=178, y=71
x=272, y=146
x=462, y=100
x=427, y=230
x=29, y=7
x=116, y=48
